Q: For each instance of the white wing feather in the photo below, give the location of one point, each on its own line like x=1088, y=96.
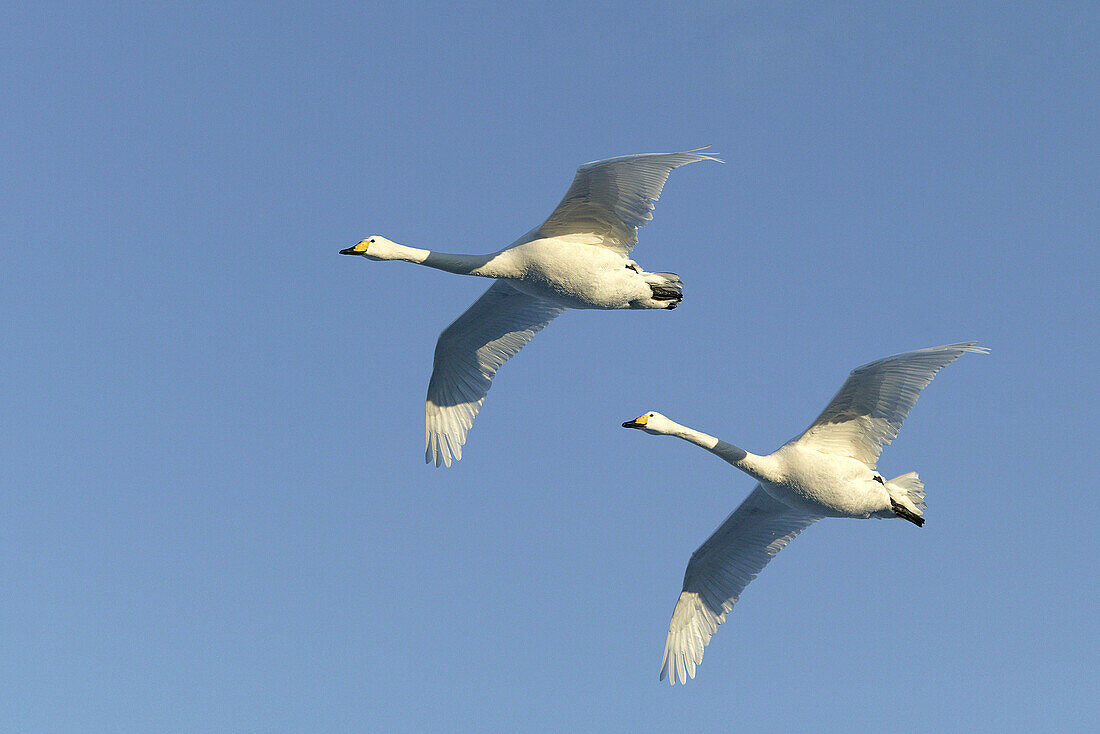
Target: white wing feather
x=867, y=412
x=467, y=356
x=720, y=570
x=613, y=197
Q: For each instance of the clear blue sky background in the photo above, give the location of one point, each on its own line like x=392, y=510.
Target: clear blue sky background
x=214, y=513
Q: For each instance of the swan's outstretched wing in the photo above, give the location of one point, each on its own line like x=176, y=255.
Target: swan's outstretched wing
x=469, y=352
x=613, y=197
x=720, y=570
x=867, y=412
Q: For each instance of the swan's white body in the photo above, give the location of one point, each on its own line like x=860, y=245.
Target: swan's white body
x=577, y=258
x=576, y=273
x=827, y=471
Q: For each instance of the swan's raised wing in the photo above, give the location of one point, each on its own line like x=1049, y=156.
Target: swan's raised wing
x=720, y=570
x=613, y=197
x=867, y=412
x=467, y=356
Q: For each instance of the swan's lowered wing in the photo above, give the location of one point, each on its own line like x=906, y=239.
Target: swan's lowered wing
x=867, y=412
x=467, y=356
x=720, y=570
x=613, y=197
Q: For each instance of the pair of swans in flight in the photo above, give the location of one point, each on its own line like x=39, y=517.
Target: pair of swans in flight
x=580, y=258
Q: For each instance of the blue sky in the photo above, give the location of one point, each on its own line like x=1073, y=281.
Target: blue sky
x=215, y=515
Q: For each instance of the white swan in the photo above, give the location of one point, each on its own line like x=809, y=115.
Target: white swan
x=577, y=258
x=827, y=471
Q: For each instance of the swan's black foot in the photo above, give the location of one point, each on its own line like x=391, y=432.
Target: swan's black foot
x=666, y=287
x=905, y=514
x=664, y=293
x=667, y=294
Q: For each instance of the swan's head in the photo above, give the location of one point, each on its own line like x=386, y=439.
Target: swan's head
x=651, y=422
x=372, y=248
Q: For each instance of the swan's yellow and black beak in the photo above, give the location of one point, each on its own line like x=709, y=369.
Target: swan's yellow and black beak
x=359, y=249
x=638, y=422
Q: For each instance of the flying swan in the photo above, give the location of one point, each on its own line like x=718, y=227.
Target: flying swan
x=578, y=258
x=828, y=471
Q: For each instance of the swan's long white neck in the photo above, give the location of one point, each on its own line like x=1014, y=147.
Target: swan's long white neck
x=494, y=265
x=757, y=466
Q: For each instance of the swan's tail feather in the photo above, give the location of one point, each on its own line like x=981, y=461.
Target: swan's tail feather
x=907, y=497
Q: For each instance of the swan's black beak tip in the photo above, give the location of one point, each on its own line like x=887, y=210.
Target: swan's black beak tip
x=349, y=251
x=632, y=424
